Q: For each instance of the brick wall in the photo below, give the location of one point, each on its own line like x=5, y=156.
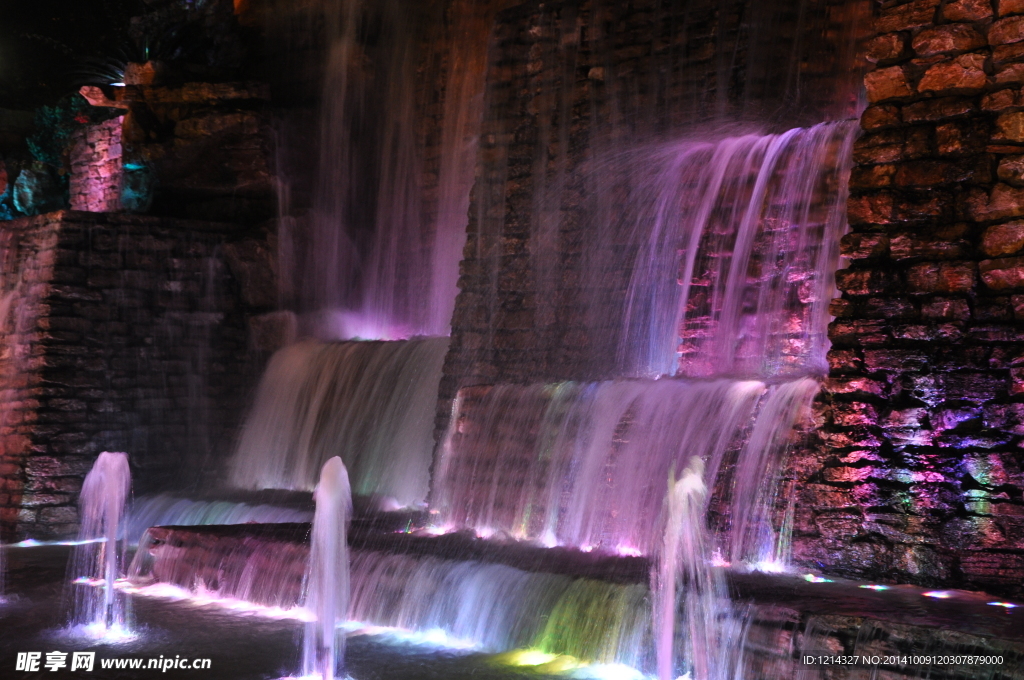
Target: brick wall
x=96, y=167
x=123, y=333
x=919, y=477
x=573, y=82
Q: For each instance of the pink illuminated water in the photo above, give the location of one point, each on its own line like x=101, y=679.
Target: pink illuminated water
x=376, y=256
x=101, y=506
x=327, y=576
x=372, y=403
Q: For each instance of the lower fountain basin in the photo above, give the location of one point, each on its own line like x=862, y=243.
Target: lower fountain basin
x=503, y=596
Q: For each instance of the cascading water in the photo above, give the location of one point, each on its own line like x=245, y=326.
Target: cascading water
x=327, y=576
x=376, y=256
x=372, y=403
x=97, y=562
x=170, y=510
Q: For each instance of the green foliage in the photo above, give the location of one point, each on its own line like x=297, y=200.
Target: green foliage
x=54, y=126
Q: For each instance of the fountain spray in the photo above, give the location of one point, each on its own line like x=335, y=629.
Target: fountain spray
x=684, y=558
x=327, y=576
x=96, y=562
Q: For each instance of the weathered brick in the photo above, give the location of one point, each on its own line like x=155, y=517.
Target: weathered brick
x=880, y=116
x=967, y=10
x=1007, y=7
x=887, y=83
x=885, y=47
x=1008, y=30
x=942, y=277
x=937, y=109
x=1011, y=170
x=1010, y=127
x=907, y=16
x=1003, y=273
x=1003, y=239
x=948, y=38
x=1003, y=202
x=859, y=246
x=862, y=281
x=963, y=74
x=876, y=208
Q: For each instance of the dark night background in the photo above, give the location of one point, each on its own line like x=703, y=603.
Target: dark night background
x=44, y=42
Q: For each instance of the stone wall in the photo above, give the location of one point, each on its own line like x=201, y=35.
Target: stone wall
x=96, y=167
x=919, y=477
x=122, y=333
x=570, y=84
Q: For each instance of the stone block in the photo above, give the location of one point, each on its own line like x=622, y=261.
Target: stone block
x=859, y=246
x=1011, y=170
x=936, y=109
x=1003, y=202
x=963, y=74
x=862, y=281
x=946, y=309
x=1007, y=7
x=1008, y=30
x=948, y=38
x=887, y=83
x=885, y=47
x=1002, y=100
x=878, y=208
x=872, y=176
x=942, y=277
x=1010, y=127
x=1003, y=239
x=880, y=116
x=1010, y=74
x=1003, y=274
x=910, y=15
x=894, y=360
x=967, y=10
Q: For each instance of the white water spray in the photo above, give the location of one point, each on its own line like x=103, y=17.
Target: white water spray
x=684, y=559
x=98, y=561
x=327, y=577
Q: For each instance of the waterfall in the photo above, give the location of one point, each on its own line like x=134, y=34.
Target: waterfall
x=372, y=403
x=752, y=226
x=97, y=563
x=169, y=510
x=327, y=576
x=374, y=254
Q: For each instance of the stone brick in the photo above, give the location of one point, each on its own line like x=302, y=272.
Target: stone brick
x=947, y=244
x=876, y=208
x=859, y=246
x=887, y=83
x=856, y=386
x=885, y=47
x=932, y=277
x=1003, y=274
x=1011, y=74
x=1003, y=239
x=907, y=16
x=872, y=176
x=862, y=281
x=1010, y=127
x=963, y=74
x=948, y=38
x=1007, y=53
x=880, y=116
x=1003, y=202
x=937, y=109
x=894, y=360
x=967, y=10
x=1002, y=100
x=1007, y=7
x=930, y=173
x=1011, y=170
x=1008, y=30
x=944, y=308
